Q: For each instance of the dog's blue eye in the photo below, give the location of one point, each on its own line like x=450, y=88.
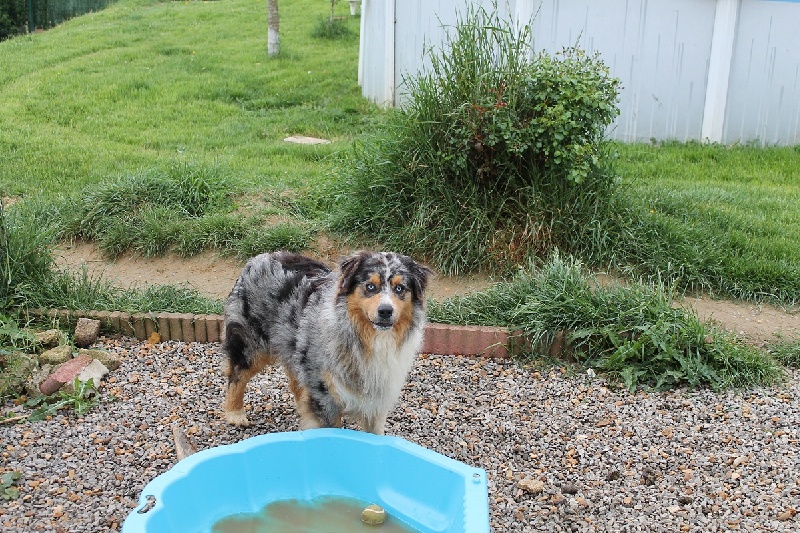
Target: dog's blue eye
x=371, y=287
x=399, y=289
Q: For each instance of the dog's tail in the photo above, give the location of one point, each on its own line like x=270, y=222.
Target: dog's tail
x=235, y=345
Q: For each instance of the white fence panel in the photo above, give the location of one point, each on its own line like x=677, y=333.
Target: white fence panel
x=764, y=90
x=720, y=70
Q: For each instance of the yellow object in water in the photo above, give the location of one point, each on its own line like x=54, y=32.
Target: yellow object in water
x=373, y=515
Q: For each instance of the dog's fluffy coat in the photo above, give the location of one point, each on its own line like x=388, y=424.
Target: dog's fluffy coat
x=346, y=338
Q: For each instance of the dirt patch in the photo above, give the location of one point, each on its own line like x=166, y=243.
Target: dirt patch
x=760, y=324
x=214, y=276
x=207, y=272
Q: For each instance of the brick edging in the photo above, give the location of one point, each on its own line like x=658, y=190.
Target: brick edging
x=444, y=339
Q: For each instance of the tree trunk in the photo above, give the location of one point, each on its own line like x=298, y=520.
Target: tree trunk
x=273, y=38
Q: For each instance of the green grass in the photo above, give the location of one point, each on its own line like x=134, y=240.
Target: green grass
x=787, y=352
x=714, y=218
x=145, y=83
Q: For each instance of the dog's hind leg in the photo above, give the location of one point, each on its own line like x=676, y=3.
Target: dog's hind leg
x=238, y=378
x=240, y=370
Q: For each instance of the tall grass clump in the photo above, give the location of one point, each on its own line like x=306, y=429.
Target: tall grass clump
x=632, y=332
x=497, y=155
x=25, y=261
x=150, y=212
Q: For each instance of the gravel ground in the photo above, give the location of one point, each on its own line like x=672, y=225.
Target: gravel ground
x=563, y=452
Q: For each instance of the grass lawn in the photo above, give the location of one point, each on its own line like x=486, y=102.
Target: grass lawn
x=144, y=83
x=723, y=219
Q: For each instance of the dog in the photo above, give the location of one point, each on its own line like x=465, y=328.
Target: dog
x=346, y=338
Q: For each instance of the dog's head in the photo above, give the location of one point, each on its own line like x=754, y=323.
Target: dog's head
x=384, y=291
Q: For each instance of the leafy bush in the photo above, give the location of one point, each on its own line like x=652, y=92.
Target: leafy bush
x=631, y=332
x=497, y=156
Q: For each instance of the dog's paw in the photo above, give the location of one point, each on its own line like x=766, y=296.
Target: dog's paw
x=237, y=418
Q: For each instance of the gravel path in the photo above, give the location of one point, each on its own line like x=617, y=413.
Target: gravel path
x=563, y=452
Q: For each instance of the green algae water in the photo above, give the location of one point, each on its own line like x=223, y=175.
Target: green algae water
x=328, y=514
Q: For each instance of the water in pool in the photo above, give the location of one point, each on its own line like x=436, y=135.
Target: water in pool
x=329, y=514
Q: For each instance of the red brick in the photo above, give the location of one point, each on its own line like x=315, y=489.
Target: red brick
x=137, y=319
x=200, y=332
x=150, y=325
x=214, y=328
x=446, y=339
x=64, y=373
x=163, y=326
x=187, y=327
x=126, y=325
x=114, y=321
x=175, y=326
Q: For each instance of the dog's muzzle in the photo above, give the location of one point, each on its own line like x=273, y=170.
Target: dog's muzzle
x=385, y=319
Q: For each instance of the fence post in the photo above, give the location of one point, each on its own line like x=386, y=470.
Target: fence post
x=719, y=69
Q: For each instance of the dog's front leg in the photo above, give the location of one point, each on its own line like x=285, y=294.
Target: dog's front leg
x=374, y=424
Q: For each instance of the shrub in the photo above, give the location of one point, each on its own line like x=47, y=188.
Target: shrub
x=496, y=156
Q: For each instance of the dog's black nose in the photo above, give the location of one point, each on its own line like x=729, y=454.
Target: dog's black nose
x=385, y=312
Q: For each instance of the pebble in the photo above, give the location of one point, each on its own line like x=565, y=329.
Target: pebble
x=669, y=461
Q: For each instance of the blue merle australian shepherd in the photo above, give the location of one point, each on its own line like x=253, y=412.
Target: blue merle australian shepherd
x=346, y=338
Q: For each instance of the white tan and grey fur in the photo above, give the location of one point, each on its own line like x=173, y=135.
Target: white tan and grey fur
x=346, y=338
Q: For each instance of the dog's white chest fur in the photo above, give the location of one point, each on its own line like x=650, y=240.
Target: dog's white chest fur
x=384, y=373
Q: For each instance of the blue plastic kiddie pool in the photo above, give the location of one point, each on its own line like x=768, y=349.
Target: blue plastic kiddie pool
x=426, y=490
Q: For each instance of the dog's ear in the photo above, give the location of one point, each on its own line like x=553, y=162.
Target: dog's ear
x=420, y=276
x=349, y=266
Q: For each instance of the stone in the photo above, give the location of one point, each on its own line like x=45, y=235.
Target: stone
x=373, y=515
x=95, y=371
x=301, y=139
x=183, y=448
x=110, y=360
x=47, y=339
x=534, y=486
x=569, y=488
x=86, y=332
x=56, y=356
x=36, y=378
x=64, y=373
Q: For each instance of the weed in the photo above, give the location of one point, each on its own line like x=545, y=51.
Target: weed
x=81, y=398
x=328, y=28
x=284, y=236
x=8, y=480
x=786, y=352
x=80, y=290
x=25, y=262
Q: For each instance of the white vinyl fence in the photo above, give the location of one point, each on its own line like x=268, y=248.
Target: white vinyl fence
x=714, y=70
